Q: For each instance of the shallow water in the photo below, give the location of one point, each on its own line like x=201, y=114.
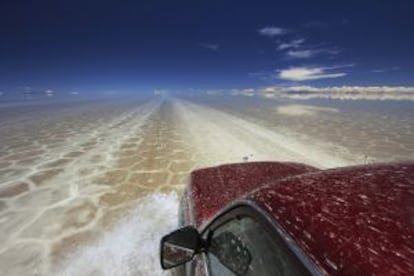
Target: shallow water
x=364, y=130
x=88, y=188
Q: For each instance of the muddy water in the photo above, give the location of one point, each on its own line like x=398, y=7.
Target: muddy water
x=89, y=188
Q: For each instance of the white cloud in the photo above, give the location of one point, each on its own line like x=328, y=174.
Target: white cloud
x=305, y=92
x=49, y=93
x=249, y=92
x=292, y=44
x=160, y=92
x=210, y=46
x=341, y=92
x=308, y=73
x=272, y=31
x=297, y=49
x=308, y=53
x=303, y=110
x=301, y=53
x=345, y=89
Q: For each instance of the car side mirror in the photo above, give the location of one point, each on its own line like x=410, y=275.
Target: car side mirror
x=179, y=247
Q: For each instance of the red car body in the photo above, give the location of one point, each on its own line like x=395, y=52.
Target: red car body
x=348, y=221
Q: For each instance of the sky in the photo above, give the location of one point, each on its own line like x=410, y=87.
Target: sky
x=122, y=45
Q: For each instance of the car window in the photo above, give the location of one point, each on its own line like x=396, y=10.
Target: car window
x=243, y=247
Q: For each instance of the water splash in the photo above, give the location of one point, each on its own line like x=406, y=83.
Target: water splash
x=132, y=247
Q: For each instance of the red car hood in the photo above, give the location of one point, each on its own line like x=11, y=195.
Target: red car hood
x=212, y=188
x=349, y=221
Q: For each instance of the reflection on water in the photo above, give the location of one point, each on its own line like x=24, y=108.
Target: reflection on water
x=366, y=129
x=83, y=184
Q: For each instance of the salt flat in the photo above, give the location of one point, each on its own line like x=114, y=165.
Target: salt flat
x=88, y=189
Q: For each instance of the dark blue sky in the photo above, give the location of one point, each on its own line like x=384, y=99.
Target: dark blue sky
x=95, y=45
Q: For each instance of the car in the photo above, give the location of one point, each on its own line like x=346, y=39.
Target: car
x=277, y=218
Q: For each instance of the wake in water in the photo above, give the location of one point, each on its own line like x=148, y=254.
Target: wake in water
x=132, y=247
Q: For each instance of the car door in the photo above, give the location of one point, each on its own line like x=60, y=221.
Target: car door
x=243, y=242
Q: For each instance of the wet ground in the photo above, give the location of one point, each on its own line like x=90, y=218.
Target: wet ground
x=88, y=188
x=365, y=130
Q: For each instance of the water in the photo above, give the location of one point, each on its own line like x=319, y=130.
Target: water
x=89, y=187
x=131, y=247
